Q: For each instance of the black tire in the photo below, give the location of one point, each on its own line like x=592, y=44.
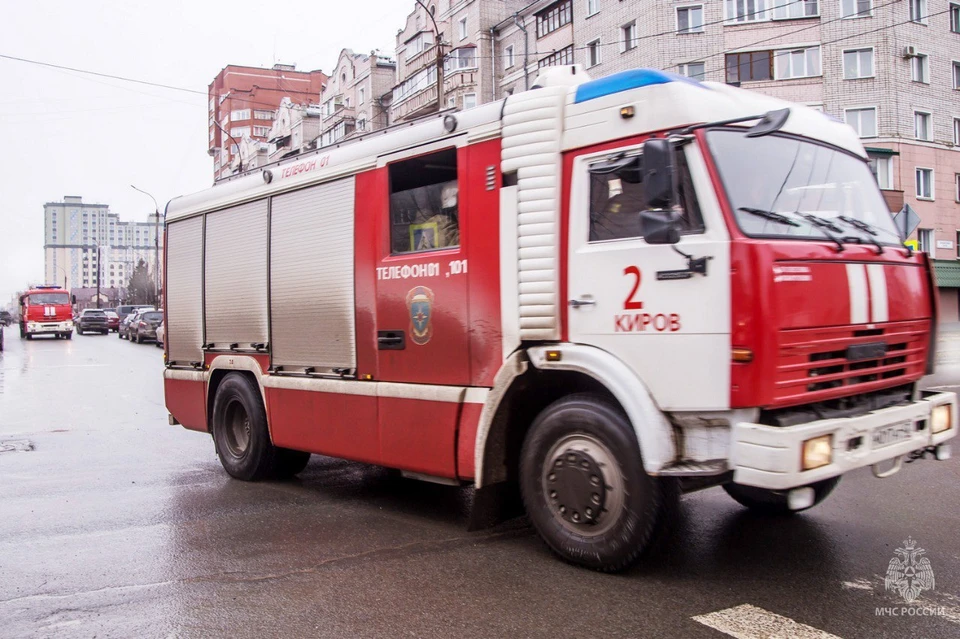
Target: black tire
x=104, y=332
x=23, y=333
x=774, y=502
x=289, y=463
x=240, y=432
x=597, y=431
x=79, y=331
x=29, y=336
x=68, y=335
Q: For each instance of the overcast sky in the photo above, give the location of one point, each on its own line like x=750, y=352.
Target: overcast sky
x=67, y=133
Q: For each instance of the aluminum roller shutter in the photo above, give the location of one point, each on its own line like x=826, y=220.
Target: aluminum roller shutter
x=184, y=292
x=311, y=278
x=235, y=288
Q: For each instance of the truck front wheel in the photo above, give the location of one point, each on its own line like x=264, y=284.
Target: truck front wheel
x=776, y=502
x=240, y=432
x=584, y=486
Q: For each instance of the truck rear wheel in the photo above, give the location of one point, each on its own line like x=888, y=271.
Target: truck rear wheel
x=584, y=486
x=775, y=502
x=240, y=432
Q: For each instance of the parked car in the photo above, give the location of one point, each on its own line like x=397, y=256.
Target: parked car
x=1, y=337
x=92, y=320
x=145, y=329
x=123, y=332
x=113, y=320
x=6, y=318
x=126, y=309
x=160, y=335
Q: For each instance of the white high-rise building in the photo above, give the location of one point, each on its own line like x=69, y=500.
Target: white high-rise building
x=73, y=231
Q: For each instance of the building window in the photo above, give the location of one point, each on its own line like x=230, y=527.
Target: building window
x=690, y=19
x=856, y=8
x=921, y=125
x=263, y=115
x=956, y=190
x=918, y=11
x=508, y=57
x=955, y=17
x=592, y=7
x=747, y=67
x=558, y=58
x=361, y=124
x=361, y=95
x=469, y=100
x=956, y=76
x=239, y=131
x=465, y=58
x=857, y=63
x=746, y=10
x=261, y=131
x=956, y=133
x=920, y=68
x=556, y=16
x=693, y=70
x=925, y=240
x=925, y=184
x=863, y=121
x=795, y=9
x=419, y=44
x=628, y=36
x=593, y=53
x=240, y=114
x=882, y=169
x=798, y=63
x=423, y=203
x=462, y=28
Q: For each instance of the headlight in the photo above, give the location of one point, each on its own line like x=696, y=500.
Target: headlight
x=817, y=452
x=941, y=419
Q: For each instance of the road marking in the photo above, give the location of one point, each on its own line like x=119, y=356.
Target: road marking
x=751, y=622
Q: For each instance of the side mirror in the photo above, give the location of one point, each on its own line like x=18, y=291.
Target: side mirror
x=658, y=168
x=660, y=227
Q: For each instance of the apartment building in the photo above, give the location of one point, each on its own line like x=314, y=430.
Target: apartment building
x=243, y=102
x=73, y=231
x=353, y=99
x=537, y=36
x=295, y=129
x=465, y=29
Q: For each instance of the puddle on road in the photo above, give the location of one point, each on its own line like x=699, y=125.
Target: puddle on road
x=16, y=445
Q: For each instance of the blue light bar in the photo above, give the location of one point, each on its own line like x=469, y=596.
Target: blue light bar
x=625, y=80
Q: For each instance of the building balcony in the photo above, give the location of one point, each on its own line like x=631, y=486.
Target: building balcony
x=418, y=104
x=466, y=78
x=340, y=115
x=894, y=200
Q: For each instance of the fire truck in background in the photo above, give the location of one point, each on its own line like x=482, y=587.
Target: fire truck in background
x=592, y=294
x=46, y=310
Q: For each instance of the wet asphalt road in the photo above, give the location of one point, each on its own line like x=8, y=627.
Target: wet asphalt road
x=116, y=524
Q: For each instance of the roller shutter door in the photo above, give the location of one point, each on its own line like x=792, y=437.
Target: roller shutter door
x=311, y=278
x=235, y=289
x=184, y=294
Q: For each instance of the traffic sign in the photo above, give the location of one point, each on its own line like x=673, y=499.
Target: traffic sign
x=906, y=220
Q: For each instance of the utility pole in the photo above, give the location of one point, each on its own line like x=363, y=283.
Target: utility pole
x=436, y=30
x=156, y=245
x=98, y=276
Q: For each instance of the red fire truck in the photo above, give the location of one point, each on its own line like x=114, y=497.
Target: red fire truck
x=592, y=295
x=46, y=310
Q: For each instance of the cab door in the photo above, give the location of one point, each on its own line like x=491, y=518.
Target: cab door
x=422, y=329
x=640, y=301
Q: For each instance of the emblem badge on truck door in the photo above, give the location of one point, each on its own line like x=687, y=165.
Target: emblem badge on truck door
x=420, y=305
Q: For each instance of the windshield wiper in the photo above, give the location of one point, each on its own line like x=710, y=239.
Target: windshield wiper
x=866, y=228
x=770, y=215
x=822, y=225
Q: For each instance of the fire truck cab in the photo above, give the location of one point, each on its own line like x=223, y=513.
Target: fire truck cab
x=46, y=310
x=592, y=294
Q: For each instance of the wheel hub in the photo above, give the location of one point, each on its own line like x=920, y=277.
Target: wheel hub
x=576, y=488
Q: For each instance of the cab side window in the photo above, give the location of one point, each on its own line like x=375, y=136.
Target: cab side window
x=617, y=198
x=424, y=203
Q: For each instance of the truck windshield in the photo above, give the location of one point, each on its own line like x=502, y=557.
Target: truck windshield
x=781, y=186
x=49, y=298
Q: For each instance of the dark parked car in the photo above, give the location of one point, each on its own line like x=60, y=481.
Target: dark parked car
x=6, y=319
x=127, y=309
x=92, y=320
x=144, y=327
x=1, y=337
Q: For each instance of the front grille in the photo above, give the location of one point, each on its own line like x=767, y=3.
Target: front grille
x=813, y=364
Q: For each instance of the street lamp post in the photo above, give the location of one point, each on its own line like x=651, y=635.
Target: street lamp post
x=439, y=63
x=156, y=245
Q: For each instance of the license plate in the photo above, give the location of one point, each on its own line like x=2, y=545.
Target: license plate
x=890, y=435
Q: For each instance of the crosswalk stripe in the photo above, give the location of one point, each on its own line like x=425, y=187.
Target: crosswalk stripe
x=751, y=622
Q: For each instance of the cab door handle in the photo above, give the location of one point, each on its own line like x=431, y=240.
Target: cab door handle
x=391, y=340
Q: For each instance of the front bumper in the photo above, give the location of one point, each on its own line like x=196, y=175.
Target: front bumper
x=771, y=457
x=39, y=328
